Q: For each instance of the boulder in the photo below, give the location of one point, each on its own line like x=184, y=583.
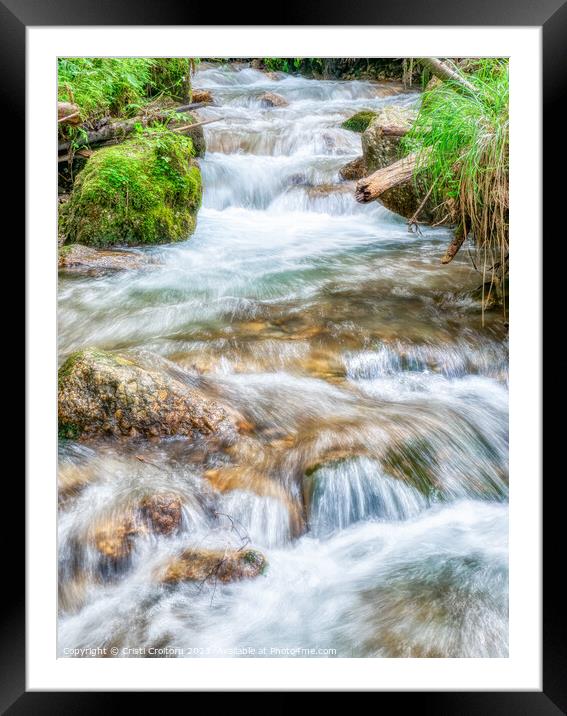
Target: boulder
x=146, y=190
x=271, y=99
x=381, y=150
x=204, y=565
x=75, y=258
x=356, y=169
x=108, y=393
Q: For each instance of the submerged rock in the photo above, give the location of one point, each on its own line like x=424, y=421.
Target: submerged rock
x=271, y=99
x=250, y=479
x=76, y=258
x=321, y=190
x=204, y=565
x=115, y=541
x=108, y=393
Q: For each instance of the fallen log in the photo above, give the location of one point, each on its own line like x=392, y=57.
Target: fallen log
x=443, y=71
x=86, y=153
x=122, y=129
x=371, y=187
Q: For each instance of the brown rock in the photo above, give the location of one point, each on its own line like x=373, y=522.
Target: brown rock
x=354, y=170
x=115, y=541
x=314, y=192
x=162, y=512
x=86, y=260
x=202, y=96
x=203, y=565
x=101, y=392
x=243, y=477
x=271, y=99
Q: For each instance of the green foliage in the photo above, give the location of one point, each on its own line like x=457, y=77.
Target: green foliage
x=144, y=191
x=170, y=76
x=461, y=139
x=294, y=64
x=120, y=85
x=359, y=121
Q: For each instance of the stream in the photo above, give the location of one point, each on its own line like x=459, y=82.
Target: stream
x=374, y=477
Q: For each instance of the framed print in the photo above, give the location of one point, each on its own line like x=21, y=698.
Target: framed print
x=283, y=370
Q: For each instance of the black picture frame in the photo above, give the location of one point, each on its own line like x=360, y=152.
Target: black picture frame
x=551, y=16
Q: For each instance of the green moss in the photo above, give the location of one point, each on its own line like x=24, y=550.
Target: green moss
x=69, y=431
x=359, y=121
x=144, y=191
x=257, y=559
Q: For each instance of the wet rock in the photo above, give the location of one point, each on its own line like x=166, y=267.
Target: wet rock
x=72, y=479
x=271, y=99
x=275, y=76
x=115, y=541
x=107, y=393
x=80, y=259
x=162, y=513
x=380, y=151
x=203, y=96
x=356, y=169
x=298, y=180
x=249, y=479
x=320, y=190
x=202, y=565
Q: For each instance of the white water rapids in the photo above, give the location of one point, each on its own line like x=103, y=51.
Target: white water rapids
x=379, y=407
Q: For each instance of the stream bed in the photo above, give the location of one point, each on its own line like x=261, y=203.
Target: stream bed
x=374, y=475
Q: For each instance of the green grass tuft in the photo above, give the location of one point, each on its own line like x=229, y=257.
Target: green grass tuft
x=462, y=141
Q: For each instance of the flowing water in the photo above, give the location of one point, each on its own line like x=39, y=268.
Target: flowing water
x=374, y=474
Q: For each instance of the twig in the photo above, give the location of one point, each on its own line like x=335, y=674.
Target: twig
x=196, y=124
x=413, y=220
x=69, y=116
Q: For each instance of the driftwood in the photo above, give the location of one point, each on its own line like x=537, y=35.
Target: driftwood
x=68, y=113
x=443, y=71
x=371, y=187
x=122, y=129
x=455, y=245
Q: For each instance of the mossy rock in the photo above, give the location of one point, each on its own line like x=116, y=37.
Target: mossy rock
x=102, y=393
x=144, y=191
x=359, y=121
